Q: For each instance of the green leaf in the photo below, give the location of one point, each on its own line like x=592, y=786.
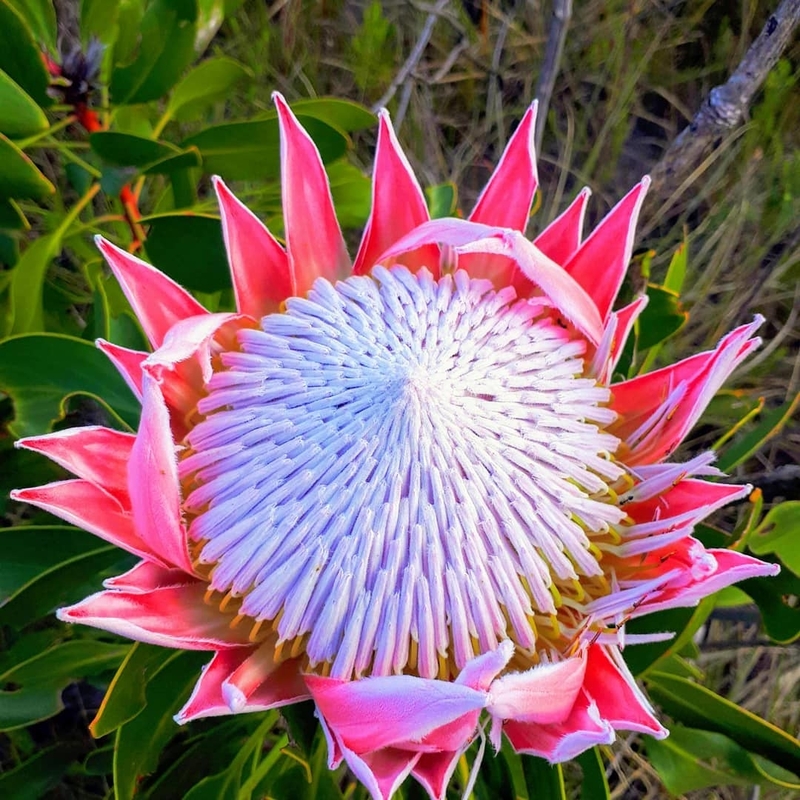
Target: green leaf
x=166, y=48
x=545, y=781
x=344, y=115
x=691, y=759
x=663, y=317
x=67, y=662
x=779, y=533
x=696, y=706
x=190, y=249
x=27, y=314
x=594, y=784
x=34, y=778
x=169, y=165
x=99, y=18
x=208, y=83
x=126, y=150
x=40, y=15
x=442, y=199
x=20, y=58
x=19, y=176
x=771, y=425
x=676, y=272
x=41, y=371
x=140, y=741
x=11, y=217
x=22, y=707
x=776, y=600
x=251, y=150
x=352, y=193
x=125, y=697
x=19, y=114
x=302, y=725
x=33, y=550
x=210, y=16
x=642, y=657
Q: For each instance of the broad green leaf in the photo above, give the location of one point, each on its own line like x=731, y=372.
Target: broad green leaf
x=33, y=550
x=125, y=696
x=20, y=58
x=302, y=724
x=779, y=533
x=691, y=759
x=190, y=249
x=545, y=781
x=140, y=741
x=41, y=371
x=34, y=778
x=67, y=662
x=19, y=176
x=9, y=256
x=22, y=707
x=11, y=217
x=344, y=115
x=775, y=597
x=208, y=83
x=442, y=199
x=19, y=113
x=16, y=466
x=642, y=657
x=99, y=18
x=188, y=159
x=352, y=193
x=594, y=784
x=165, y=50
x=126, y=150
x=210, y=16
x=62, y=584
x=663, y=317
x=696, y=706
x=771, y=424
x=27, y=314
x=251, y=150
x=40, y=15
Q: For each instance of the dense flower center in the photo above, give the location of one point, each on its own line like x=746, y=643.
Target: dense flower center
x=398, y=473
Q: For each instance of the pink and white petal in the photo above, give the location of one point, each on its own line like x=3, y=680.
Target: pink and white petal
x=259, y=265
x=207, y=699
x=373, y=713
x=258, y=683
x=567, y=297
x=600, y=263
x=618, y=698
x=81, y=503
x=690, y=498
x=543, y=694
x=157, y=300
x=479, y=672
x=708, y=572
x=175, y=616
x=560, y=240
x=148, y=576
x=153, y=482
x=582, y=729
x=314, y=239
x=398, y=206
x=658, y=409
x=506, y=199
x=618, y=328
x=128, y=364
x=97, y=454
x=434, y=771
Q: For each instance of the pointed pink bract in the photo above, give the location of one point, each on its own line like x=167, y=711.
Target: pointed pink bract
x=562, y=237
x=314, y=239
x=157, y=300
x=128, y=363
x=259, y=265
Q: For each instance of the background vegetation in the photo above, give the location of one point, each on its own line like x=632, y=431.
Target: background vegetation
x=182, y=91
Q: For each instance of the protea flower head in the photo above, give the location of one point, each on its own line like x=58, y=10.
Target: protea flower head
x=405, y=487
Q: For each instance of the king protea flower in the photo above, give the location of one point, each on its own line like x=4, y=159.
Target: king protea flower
x=405, y=487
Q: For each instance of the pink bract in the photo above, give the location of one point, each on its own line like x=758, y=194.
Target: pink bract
x=492, y=541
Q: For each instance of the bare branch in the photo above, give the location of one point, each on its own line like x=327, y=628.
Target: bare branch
x=562, y=13
x=414, y=56
x=725, y=107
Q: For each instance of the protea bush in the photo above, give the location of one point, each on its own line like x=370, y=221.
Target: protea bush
x=407, y=487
